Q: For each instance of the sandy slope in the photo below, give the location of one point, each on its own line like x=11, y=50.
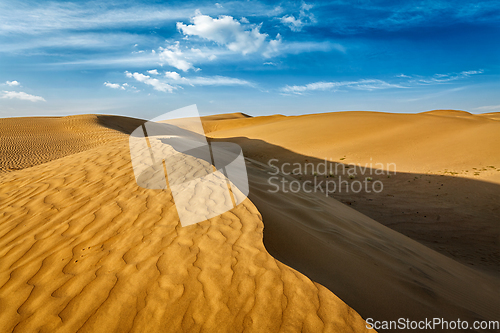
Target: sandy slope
x=29, y=141
x=379, y=272
x=83, y=248
x=434, y=141
x=447, y=188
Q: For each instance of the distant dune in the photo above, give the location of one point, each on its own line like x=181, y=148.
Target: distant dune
x=83, y=248
x=447, y=188
x=29, y=141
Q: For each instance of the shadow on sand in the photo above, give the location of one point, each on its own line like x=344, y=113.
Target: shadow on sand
x=381, y=273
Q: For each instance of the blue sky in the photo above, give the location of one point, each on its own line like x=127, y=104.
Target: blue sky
x=145, y=58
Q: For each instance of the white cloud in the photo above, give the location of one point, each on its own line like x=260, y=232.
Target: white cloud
x=199, y=54
x=226, y=31
x=113, y=85
x=12, y=83
x=35, y=18
x=274, y=47
x=300, y=47
x=468, y=73
x=293, y=23
x=21, y=95
x=153, y=72
x=442, y=78
x=173, y=56
x=155, y=83
x=174, y=80
x=304, y=18
x=488, y=108
x=374, y=84
x=365, y=84
x=82, y=40
x=172, y=75
x=215, y=81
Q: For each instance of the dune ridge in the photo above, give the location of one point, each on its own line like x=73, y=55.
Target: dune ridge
x=97, y=249
x=429, y=141
x=30, y=141
x=83, y=248
x=379, y=272
x=447, y=187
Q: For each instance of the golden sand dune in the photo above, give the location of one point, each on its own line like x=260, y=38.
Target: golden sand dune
x=491, y=115
x=224, y=116
x=381, y=273
x=29, y=141
x=229, y=121
x=447, y=188
x=83, y=248
x=432, y=141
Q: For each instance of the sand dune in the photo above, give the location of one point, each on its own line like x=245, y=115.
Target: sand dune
x=29, y=141
x=435, y=141
x=491, y=115
x=83, y=248
x=447, y=187
x=379, y=272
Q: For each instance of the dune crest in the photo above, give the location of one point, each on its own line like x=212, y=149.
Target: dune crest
x=85, y=249
x=30, y=141
x=447, y=187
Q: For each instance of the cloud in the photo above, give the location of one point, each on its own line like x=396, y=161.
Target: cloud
x=155, y=83
x=365, y=84
x=173, y=80
x=201, y=55
x=407, y=81
x=304, y=18
x=489, y=108
x=12, y=83
x=62, y=41
x=176, y=78
x=225, y=30
x=35, y=18
x=274, y=47
x=32, y=18
x=21, y=95
x=114, y=85
x=172, y=75
x=215, y=81
x=441, y=78
x=153, y=72
x=173, y=56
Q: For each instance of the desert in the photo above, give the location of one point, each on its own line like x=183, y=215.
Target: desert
x=84, y=248
x=249, y=166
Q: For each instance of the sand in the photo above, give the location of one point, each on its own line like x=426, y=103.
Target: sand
x=83, y=248
x=30, y=141
x=447, y=187
x=379, y=272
